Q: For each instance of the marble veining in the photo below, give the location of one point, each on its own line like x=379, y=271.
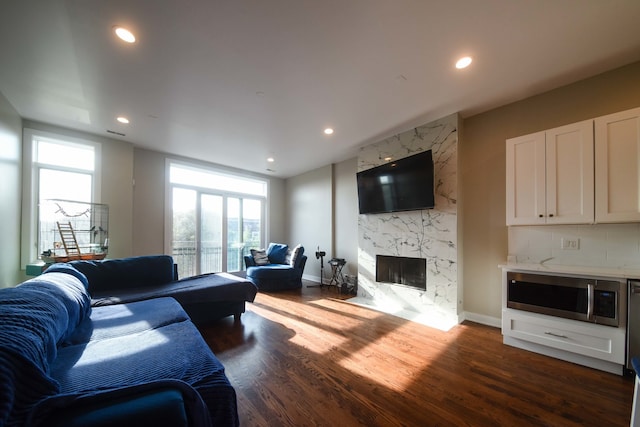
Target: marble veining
x=429, y=233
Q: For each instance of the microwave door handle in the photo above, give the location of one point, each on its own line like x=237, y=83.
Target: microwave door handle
x=590, y=301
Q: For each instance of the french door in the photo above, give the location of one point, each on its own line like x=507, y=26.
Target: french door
x=212, y=232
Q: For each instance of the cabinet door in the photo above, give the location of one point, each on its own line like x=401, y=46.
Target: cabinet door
x=617, y=142
x=526, y=180
x=569, y=172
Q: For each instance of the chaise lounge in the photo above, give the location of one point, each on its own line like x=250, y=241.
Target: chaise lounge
x=206, y=298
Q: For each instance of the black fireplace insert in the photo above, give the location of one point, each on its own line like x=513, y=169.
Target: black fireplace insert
x=404, y=271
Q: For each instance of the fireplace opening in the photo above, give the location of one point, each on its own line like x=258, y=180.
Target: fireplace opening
x=404, y=271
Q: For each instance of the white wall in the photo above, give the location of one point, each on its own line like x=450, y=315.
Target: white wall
x=10, y=193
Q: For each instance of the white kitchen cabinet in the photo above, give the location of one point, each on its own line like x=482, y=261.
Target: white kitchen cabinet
x=550, y=176
x=617, y=167
x=600, y=347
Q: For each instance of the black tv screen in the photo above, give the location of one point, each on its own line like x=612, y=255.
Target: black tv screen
x=402, y=185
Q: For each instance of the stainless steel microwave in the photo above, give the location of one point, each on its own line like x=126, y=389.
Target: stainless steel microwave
x=589, y=300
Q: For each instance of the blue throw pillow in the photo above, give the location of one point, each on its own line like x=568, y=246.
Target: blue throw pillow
x=277, y=253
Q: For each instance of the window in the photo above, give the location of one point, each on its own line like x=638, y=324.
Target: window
x=216, y=218
x=58, y=167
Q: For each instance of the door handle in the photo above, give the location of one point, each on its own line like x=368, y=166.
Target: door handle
x=590, y=302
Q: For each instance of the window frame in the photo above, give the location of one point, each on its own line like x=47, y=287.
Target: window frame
x=31, y=185
x=169, y=186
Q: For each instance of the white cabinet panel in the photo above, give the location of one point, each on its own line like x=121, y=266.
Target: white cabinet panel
x=570, y=194
x=617, y=171
x=526, y=193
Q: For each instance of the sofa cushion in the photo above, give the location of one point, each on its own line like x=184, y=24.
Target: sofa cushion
x=260, y=256
x=271, y=271
x=277, y=253
x=125, y=319
x=175, y=351
x=123, y=273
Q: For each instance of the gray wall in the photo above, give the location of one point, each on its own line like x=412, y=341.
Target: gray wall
x=322, y=211
x=482, y=163
x=309, y=208
x=10, y=193
x=149, y=201
x=345, y=196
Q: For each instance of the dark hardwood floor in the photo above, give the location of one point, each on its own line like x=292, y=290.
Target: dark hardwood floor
x=306, y=358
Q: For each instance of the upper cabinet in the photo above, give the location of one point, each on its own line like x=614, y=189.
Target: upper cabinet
x=617, y=151
x=550, y=176
x=581, y=173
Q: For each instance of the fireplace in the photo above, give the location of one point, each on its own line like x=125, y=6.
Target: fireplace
x=411, y=272
x=431, y=234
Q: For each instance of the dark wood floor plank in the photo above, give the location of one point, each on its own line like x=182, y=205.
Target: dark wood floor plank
x=308, y=358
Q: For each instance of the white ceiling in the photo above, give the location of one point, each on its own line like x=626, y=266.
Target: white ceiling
x=235, y=81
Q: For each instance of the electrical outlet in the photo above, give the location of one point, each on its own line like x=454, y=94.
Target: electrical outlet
x=572, y=244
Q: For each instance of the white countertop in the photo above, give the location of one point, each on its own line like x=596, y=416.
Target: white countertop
x=616, y=272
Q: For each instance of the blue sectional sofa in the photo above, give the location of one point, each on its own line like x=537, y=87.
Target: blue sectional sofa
x=65, y=363
x=206, y=298
x=277, y=268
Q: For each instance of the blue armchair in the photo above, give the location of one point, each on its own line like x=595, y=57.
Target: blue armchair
x=277, y=268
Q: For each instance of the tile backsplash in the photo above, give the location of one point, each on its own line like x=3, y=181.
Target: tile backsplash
x=599, y=245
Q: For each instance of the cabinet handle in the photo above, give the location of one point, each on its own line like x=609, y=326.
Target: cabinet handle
x=540, y=215
x=550, y=215
x=556, y=335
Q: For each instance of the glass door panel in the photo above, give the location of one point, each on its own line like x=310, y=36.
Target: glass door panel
x=184, y=243
x=234, y=234
x=211, y=233
x=251, y=225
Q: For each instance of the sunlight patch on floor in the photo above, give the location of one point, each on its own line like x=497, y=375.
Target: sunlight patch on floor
x=410, y=365
x=435, y=320
x=338, y=305
x=309, y=331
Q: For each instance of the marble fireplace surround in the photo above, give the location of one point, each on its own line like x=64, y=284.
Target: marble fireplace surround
x=430, y=233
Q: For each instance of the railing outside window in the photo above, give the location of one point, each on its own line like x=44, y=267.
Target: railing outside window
x=185, y=256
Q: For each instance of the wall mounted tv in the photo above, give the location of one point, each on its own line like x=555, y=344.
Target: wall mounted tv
x=401, y=185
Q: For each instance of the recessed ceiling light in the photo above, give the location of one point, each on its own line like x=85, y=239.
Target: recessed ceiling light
x=122, y=119
x=270, y=159
x=124, y=34
x=463, y=62
x=328, y=131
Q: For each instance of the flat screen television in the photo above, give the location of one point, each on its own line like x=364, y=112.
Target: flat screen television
x=401, y=185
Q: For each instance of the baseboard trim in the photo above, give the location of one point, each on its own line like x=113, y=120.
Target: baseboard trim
x=482, y=319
